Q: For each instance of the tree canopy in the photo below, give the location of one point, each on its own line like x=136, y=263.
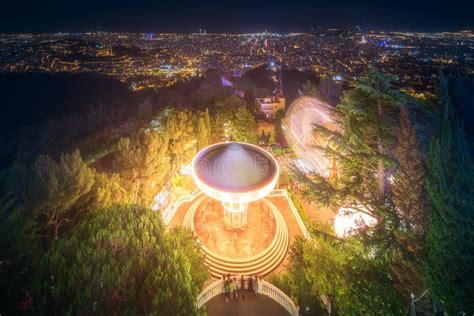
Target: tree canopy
x=121, y=260
x=449, y=262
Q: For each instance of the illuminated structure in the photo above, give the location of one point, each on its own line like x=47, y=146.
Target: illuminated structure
x=235, y=174
x=349, y=220
x=302, y=114
x=270, y=105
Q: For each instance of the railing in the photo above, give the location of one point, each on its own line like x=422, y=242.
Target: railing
x=209, y=292
x=296, y=214
x=264, y=288
x=169, y=211
x=268, y=289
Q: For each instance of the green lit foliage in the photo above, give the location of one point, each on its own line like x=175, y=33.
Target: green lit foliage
x=231, y=103
x=207, y=122
x=408, y=186
x=142, y=162
x=120, y=261
x=55, y=193
x=449, y=261
x=345, y=272
x=368, y=120
x=244, y=127
x=202, y=134
x=182, y=139
x=279, y=116
x=221, y=125
x=369, y=146
x=272, y=138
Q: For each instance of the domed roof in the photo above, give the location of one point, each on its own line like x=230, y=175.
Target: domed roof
x=235, y=171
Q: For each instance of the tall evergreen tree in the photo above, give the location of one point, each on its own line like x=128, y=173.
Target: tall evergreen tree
x=143, y=163
x=207, y=121
x=244, y=127
x=377, y=89
x=202, y=134
x=449, y=261
x=408, y=198
x=408, y=186
x=182, y=138
x=361, y=144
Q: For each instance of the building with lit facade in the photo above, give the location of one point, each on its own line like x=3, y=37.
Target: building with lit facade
x=270, y=105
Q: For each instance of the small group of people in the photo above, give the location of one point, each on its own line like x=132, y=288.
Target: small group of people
x=235, y=287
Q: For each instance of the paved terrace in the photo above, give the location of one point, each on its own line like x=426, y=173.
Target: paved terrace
x=280, y=202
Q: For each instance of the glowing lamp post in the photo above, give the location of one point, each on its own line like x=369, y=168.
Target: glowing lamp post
x=235, y=174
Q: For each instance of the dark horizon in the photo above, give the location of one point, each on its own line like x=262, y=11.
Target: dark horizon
x=189, y=16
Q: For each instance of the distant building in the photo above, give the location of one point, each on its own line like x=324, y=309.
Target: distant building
x=270, y=105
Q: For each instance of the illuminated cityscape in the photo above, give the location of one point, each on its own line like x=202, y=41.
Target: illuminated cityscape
x=156, y=60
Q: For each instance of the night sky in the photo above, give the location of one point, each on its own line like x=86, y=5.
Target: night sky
x=232, y=16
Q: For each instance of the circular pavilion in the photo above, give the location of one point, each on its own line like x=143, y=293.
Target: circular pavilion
x=235, y=174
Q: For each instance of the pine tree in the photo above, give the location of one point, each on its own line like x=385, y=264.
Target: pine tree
x=408, y=186
x=244, y=127
x=449, y=261
x=207, y=121
x=377, y=89
x=202, y=140
x=343, y=272
x=367, y=122
x=56, y=193
x=181, y=134
x=142, y=162
x=120, y=260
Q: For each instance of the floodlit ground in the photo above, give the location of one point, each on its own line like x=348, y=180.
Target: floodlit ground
x=212, y=232
x=282, y=205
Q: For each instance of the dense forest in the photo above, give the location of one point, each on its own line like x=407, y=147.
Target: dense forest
x=407, y=164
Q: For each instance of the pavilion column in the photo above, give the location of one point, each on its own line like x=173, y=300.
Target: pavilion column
x=235, y=215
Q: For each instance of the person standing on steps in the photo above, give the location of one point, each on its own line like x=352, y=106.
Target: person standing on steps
x=256, y=283
x=250, y=282
x=233, y=289
x=242, y=287
x=226, y=288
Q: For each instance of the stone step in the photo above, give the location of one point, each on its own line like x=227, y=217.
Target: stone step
x=281, y=229
x=217, y=271
x=261, y=264
x=269, y=263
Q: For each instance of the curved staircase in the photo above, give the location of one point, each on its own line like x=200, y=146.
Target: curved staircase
x=260, y=264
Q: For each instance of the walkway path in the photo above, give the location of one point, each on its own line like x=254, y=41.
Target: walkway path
x=254, y=306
